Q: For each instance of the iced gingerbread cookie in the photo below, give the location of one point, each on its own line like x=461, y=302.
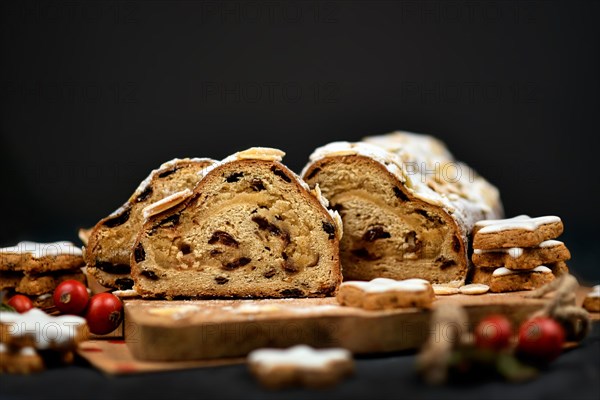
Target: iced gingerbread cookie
x=549, y=251
x=25, y=360
x=506, y=280
x=38, y=258
x=592, y=300
x=384, y=293
x=300, y=366
x=484, y=274
x=41, y=331
x=520, y=231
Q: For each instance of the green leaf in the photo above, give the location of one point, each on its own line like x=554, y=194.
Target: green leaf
x=6, y=307
x=514, y=370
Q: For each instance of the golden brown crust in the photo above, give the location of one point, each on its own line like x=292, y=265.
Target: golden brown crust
x=211, y=245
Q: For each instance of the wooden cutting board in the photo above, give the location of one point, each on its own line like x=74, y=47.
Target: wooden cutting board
x=159, y=330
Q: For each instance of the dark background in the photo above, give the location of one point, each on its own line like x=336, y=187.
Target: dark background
x=94, y=95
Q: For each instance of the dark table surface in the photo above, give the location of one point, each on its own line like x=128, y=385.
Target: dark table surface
x=574, y=375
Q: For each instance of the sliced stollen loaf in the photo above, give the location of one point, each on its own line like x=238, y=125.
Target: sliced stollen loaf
x=407, y=206
x=251, y=228
x=109, y=244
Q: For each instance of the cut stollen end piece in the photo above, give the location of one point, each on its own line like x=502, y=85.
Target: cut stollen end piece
x=251, y=228
x=519, y=231
x=547, y=252
x=384, y=293
x=110, y=242
x=506, y=280
x=405, y=213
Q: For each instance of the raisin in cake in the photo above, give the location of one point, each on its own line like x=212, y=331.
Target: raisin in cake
x=108, y=247
x=407, y=206
x=251, y=228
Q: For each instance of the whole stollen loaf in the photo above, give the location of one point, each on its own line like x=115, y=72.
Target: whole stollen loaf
x=408, y=207
x=250, y=228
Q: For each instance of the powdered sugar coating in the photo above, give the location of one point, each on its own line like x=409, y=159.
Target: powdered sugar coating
x=300, y=356
x=514, y=252
x=550, y=243
x=38, y=250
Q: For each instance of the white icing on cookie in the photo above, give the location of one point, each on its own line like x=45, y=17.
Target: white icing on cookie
x=28, y=351
x=166, y=203
x=514, y=252
x=550, y=243
x=595, y=292
x=38, y=250
x=301, y=356
x=505, y=271
x=47, y=331
x=382, y=285
x=519, y=222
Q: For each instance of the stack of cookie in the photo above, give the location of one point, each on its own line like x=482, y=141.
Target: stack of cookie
x=518, y=253
x=35, y=269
